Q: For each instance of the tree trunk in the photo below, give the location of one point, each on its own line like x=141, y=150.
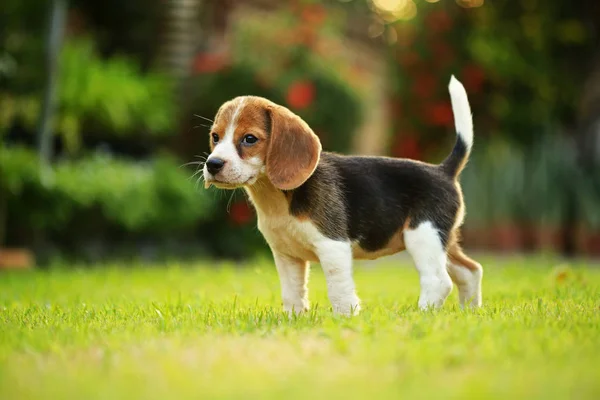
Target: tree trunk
x=179, y=41
x=3, y=215
x=54, y=43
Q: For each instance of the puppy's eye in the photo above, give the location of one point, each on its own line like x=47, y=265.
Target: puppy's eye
x=249, y=139
x=215, y=138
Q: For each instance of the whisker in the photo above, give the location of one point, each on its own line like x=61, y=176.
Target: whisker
x=196, y=173
x=200, y=179
x=191, y=163
x=247, y=198
x=200, y=116
x=229, y=202
x=201, y=125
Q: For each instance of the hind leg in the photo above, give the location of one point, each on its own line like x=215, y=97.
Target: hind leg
x=425, y=247
x=467, y=275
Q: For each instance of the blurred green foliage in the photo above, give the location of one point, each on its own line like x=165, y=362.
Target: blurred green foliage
x=532, y=52
x=111, y=95
x=23, y=24
x=503, y=184
x=153, y=196
x=113, y=92
x=523, y=64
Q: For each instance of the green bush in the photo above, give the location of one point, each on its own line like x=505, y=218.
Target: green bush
x=110, y=95
x=155, y=196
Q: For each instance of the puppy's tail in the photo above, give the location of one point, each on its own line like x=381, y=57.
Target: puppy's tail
x=463, y=121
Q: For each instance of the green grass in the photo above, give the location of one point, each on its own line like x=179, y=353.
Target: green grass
x=199, y=332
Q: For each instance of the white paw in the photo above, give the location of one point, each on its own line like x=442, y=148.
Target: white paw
x=348, y=308
x=434, y=292
x=469, y=288
x=297, y=307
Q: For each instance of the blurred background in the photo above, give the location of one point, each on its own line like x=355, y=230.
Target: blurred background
x=101, y=102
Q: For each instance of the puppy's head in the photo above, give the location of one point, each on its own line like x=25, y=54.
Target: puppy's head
x=252, y=137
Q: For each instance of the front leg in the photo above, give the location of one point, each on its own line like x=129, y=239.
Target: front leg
x=336, y=261
x=293, y=276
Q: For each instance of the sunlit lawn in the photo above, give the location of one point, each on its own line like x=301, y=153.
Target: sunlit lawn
x=197, y=331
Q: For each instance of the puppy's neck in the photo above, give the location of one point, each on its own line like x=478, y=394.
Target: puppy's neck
x=267, y=199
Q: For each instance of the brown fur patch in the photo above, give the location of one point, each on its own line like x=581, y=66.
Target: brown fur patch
x=454, y=236
x=456, y=256
x=294, y=149
x=302, y=217
x=268, y=198
x=252, y=119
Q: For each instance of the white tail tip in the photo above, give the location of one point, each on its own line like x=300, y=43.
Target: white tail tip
x=463, y=120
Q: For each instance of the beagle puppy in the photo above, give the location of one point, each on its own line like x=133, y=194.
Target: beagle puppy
x=317, y=206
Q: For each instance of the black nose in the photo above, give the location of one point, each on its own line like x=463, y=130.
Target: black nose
x=214, y=165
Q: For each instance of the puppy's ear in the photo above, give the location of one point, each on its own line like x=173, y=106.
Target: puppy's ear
x=294, y=149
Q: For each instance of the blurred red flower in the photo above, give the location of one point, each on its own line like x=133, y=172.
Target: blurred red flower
x=314, y=14
x=240, y=213
x=301, y=94
x=440, y=114
x=209, y=62
x=473, y=77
